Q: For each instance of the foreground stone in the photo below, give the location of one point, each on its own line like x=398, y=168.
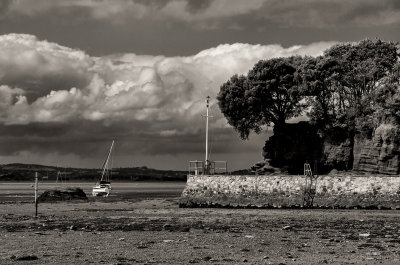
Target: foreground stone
x=25, y=257
x=66, y=194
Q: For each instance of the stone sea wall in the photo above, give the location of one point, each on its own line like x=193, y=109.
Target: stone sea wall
x=284, y=191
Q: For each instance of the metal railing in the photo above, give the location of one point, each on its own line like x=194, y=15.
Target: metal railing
x=208, y=167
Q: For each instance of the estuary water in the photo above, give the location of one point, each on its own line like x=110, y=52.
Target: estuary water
x=24, y=191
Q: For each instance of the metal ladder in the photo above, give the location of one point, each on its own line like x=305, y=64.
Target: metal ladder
x=310, y=185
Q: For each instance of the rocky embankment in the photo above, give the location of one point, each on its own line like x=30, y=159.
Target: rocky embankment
x=294, y=144
x=379, y=154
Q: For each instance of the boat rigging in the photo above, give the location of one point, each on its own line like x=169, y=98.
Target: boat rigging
x=103, y=187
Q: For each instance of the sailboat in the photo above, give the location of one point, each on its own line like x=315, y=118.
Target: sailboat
x=61, y=176
x=103, y=187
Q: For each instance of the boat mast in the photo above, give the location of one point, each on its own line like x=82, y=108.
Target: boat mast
x=106, y=162
x=207, y=105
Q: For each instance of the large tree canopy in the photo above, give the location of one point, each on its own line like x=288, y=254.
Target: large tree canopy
x=269, y=94
x=345, y=79
x=341, y=87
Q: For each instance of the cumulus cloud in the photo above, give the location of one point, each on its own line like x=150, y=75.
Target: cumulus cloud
x=40, y=66
x=124, y=87
x=155, y=101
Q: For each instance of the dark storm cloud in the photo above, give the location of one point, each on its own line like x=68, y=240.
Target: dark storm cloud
x=308, y=13
x=372, y=13
x=195, y=6
x=84, y=138
x=329, y=14
x=88, y=139
x=4, y=6
x=156, y=3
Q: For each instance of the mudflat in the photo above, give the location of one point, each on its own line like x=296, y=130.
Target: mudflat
x=146, y=226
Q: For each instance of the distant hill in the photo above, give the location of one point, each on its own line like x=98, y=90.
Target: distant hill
x=19, y=172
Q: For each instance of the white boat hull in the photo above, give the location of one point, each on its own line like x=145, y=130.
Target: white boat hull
x=100, y=191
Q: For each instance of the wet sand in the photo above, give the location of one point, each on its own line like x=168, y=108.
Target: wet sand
x=144, y=225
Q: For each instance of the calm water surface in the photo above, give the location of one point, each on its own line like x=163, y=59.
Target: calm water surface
x=14, y=190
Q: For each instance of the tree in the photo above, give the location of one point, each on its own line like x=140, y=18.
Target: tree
x=239, y=106
x=342, y=83
x=363, y=65
x=269, y=94
x=319, y=77
x=386, y=107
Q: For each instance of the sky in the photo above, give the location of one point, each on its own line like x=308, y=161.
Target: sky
x=77, y=74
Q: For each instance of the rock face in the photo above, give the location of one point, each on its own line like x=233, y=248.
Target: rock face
x=294, y=144
x=337, y=155
x=379, y=155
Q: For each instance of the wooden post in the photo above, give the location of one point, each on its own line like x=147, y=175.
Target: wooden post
x=36, y=190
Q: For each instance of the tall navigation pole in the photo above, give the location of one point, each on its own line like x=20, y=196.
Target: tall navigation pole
x=207, y=105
